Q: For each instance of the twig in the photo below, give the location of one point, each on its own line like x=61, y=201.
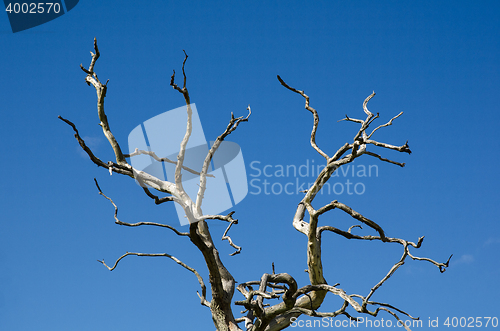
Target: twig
x=182, y=90
x=187, y=135
x=384, y=125
x=156, y=198
x=347, y=118
x=200, y=279
x=80, y=140
x=117, y=221
x=405, y=148
x=228, y=238
x=384, y=159
x=315, y=115
x=233, y=124
x=101, y=94
x=354, y=214
x=365, y=103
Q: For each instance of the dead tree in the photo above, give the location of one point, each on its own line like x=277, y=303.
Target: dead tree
x=293, y=300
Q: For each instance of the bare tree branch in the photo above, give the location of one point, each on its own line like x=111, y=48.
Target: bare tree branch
x=365, y=103
x=87, y=150
x=384, y=159
x=124, y=169
x=228, y=238
x=156, y=198
x=101, y=94
x=112, y=167
x=387, y=276
x=315, y=115
x=442, y=266
x=227, y=218
x=347, y=118
x=200, y=279
x=182, y=90
x=117, y=221
x=354, y=214
x=233, y=124
x=384, y=125
x=405, y=148
x=368, y=120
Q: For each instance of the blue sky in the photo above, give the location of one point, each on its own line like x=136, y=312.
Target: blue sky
x=435, y=60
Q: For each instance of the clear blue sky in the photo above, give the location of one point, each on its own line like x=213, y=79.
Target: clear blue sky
x=438, y=61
